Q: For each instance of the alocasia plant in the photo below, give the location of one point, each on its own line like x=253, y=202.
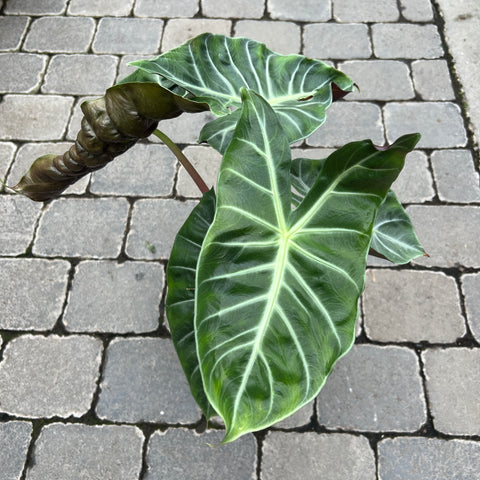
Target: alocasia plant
x=265, y=275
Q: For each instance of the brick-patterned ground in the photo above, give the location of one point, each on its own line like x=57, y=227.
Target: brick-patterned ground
x=90, y=386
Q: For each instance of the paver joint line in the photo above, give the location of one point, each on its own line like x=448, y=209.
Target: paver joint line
x=90, y=385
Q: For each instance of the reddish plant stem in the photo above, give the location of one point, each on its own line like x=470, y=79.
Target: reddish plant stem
x=183, y=160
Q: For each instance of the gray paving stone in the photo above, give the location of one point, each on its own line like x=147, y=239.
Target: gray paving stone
x=432, y=80
x=395, y=41
x=424, y=307
x=207, y=161
x=417, y=10
x=405, y=458
x=354, y=11
x=299, y=418
x=128, y=35
x=178, y=31
x=78, y=452
x=14, y=441
x=17, y=222
x=21, y=72
x=27, y=154
x=127, y=302
x=49, y=376
x=12, y=31
x=145, y=170
x=455, y=176
x=94, y=8
x=80, y=74
x=415, y=183
x=155, y=224
x=373, y=389
x=34, y=117
x=32, y=292
x=443, y=232
x=281, y=37
x=60, y=35
x=305, y=10
x=143, y=381
x=471, y=287
x=440, y=123
x=38, y=7
x=124, y=69
x=238, y=9
x=379, y=79
x=311, y=456
x=166, y=456
x=185, y=128
x=349, y=122
x=336, y=41
x=7, y=152
x=453, y=387
x=179, y=8
x=82, y=227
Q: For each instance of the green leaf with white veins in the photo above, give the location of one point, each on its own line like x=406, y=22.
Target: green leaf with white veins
x=277, y=289
x=214, y=68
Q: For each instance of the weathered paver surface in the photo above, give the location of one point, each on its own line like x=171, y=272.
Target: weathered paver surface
x=90, y=385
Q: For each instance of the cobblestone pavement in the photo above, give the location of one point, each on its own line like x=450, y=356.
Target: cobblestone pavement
x=90, y=387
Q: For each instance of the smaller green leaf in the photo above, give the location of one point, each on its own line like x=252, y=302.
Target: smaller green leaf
x=181, y=272
x=393, y=233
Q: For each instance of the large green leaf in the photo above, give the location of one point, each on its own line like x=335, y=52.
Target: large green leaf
x=181, y=272
x=214, y=68
x=393, y=236
x=277, y=289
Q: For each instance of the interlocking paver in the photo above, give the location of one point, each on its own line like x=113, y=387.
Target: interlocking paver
x=38, y=7
x=432, y=80
x=455, y=176
x=155, y=223
x=305, y=10
x=60, y=34
x=178, y=31
x=12, y=31
x=112, y=308
x=34, y=117
x=143, y=381
x=80, y=74
x=82, y=228
x=207, y=163
x=145, y=170
x=94, y=8
x=336, y=41
x=238, y=9
x=395, y=41
x=21, y=72
x=440, y=123
x=471, y=287
x=354, y=11
x=301, y=417
x=415, y=183
x=281, y=37
x=417, y=10
x=14, y=441
x=441, y=230
x=49, y=376
x=380, y=389
x=77, y=452
x=379, y=79
x=178, y=8
x=310, y=456
x=17, y=222
x=24, y=308
x=348, y=122
x=7, y=152
x=27, y=154
x=166, y=456
x=406, y=458
x=128, y=35
x=419, y=314
x=453, y=396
